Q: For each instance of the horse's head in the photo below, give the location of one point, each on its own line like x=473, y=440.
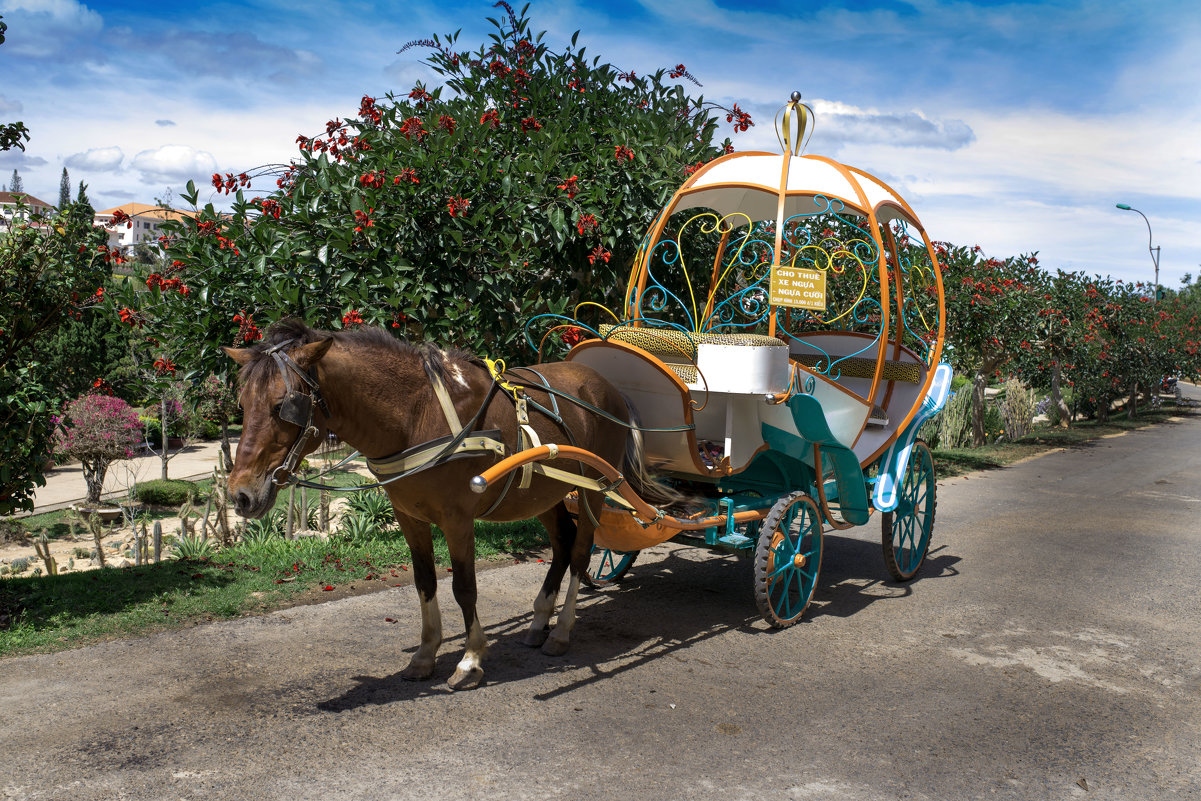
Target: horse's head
x=282, y=420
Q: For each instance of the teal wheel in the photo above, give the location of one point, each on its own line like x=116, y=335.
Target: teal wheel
x=905, y=532
x=608, y=567
x=788, y=559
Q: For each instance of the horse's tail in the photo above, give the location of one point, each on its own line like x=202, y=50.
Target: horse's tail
x=641, y=479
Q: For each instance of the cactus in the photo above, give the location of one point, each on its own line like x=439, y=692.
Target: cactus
x=42, y=546
x=92, y=524
x=158, y=541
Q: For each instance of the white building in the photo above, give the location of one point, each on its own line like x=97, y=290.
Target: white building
x=143, y=224
x=8, y=207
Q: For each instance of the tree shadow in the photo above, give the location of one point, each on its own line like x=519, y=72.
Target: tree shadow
x=658, y=611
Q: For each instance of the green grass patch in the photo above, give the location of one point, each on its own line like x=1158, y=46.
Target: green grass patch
x=47, y=613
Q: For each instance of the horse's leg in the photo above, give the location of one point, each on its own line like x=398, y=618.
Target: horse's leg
x=417, y=534
x=580, y=552
x=460, y=541
x=562, y=531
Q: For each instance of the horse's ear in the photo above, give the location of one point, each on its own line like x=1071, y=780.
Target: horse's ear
x=308, y=355
x=239, y=355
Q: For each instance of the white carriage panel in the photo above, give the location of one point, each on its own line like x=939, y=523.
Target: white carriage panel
x=744, y=369
x=746, y=431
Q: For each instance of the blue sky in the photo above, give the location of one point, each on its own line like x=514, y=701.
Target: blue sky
x=1016, y=126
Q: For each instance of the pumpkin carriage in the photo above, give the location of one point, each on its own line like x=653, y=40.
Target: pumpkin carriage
x=779, y=337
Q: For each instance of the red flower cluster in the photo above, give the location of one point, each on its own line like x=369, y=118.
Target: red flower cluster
x=100, y=385
x=570, y=186
x=399, y=320
x=691, y=168
x=164, y=366
x=572, y=336
x=627, y=76
x=363, y=220
x=740, y=118
x=225, y=244
x=599, y=252
x=369, y=111
x=154, y=280
x=457, y=205
x=352, y=318
x=586, y=223
x=270, y=208
x=130, y=317
x=374, y=179
x=206, y=228
x=622, y=153
x=414, y=126
x=574, y=84
x=448, y=122
x=111, y=255
x=407, y=174
x=490, y=117
x=420, y=96
x=247, y=330
x=530, y=124
x=679, y=72
x=230, y=182
x=119, y=216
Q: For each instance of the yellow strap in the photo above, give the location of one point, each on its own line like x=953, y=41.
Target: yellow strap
x=399, y=464
x=448, y=406
x=497, y=369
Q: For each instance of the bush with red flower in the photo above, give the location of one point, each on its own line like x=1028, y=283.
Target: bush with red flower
x=98, y=429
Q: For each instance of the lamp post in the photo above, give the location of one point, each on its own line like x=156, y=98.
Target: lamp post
x=1153, y=250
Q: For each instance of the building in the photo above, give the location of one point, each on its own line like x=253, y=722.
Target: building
x=8, y=207
x=142, y=227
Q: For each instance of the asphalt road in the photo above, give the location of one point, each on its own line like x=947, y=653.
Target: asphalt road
x=1050, y=649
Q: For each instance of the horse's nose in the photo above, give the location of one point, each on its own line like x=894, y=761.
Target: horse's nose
x=242, y=501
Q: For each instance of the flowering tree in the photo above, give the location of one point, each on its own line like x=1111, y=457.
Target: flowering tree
x=452, y=213
x=216, y=401
x=98, y=430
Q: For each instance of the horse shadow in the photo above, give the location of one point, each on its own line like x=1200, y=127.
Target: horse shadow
x=658, y=611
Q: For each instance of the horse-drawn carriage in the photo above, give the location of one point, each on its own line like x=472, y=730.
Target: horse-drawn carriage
x=780, y=341
x=776, y=352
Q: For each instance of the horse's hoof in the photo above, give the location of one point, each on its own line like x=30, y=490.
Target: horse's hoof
x=466, y=679
x=553, y=647
x=535, y=637
x=418, y=671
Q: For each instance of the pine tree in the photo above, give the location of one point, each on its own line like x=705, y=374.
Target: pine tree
x=15, y=185
x=64, y=191
x=82, y=197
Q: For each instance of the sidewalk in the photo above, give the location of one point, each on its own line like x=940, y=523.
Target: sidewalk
x=65, y=484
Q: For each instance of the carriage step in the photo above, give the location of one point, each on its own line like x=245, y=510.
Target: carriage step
x=734, y=540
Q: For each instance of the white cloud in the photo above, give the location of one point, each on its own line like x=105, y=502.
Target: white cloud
x=174, y=163
x=42, y=28
x=10, y=106
x=164, y=123
x=97, y=159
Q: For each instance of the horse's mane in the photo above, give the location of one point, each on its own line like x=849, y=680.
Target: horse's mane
x=262, y=367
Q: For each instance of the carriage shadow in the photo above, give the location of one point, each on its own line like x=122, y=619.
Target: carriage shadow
x=659, y=609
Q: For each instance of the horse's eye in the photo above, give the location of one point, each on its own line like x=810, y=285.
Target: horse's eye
x=275, y=409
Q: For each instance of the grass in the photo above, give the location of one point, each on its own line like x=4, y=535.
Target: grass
x=949, y=462
x=44, y=614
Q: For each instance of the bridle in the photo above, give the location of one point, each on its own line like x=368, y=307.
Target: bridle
x=297, y=409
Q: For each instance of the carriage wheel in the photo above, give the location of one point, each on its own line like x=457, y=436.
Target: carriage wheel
x=608, y=566
x=906, y=531
x=788, y=559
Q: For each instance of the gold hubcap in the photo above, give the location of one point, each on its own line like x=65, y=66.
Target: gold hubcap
x=799, y=560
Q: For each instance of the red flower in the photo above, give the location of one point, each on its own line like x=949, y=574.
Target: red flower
x=622, y=153
x=368, y=110
x=373, y=179
x=407, y=174
x=691, y=168
x=129, y=317
x=529, y=123
x=164, y=366
x=586, y=223
x=572, y=336
x=448, y=122
x=570, y=186
x=119, y=216
x=457, y=205
x=740, y=118
x=352, y=318
x=678, y=72
x=490, y=117
x=420, y=96
x=598, y=252
x=413, y=125
x=364, y=219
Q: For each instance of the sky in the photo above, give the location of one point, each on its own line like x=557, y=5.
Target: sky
x=1016, y=126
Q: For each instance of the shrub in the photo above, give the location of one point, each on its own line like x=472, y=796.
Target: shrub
x=954, y=423
x=171, y=492
x=1017, y=410
x=98, y=430
x=373, y=505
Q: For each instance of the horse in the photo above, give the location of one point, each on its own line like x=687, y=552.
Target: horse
x=380, y=396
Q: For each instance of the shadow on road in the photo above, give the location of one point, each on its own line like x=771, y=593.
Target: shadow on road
x=658, y=611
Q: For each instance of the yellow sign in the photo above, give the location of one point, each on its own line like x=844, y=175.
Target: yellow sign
x=803, y=289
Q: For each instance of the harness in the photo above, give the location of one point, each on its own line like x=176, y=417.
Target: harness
x=463, y=441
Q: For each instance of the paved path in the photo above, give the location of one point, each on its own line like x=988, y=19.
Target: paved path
x=65, y=484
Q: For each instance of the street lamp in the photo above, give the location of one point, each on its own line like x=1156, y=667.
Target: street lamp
x=1153, y=250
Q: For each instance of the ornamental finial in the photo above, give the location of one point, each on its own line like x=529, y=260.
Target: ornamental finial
x=793, y=144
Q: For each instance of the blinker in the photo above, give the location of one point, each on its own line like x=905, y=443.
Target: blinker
x=297, y=409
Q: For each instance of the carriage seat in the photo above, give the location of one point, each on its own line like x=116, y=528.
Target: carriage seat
x=859, y=367
x=737, y=363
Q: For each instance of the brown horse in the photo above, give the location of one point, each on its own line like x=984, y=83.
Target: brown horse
x=377, y=395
